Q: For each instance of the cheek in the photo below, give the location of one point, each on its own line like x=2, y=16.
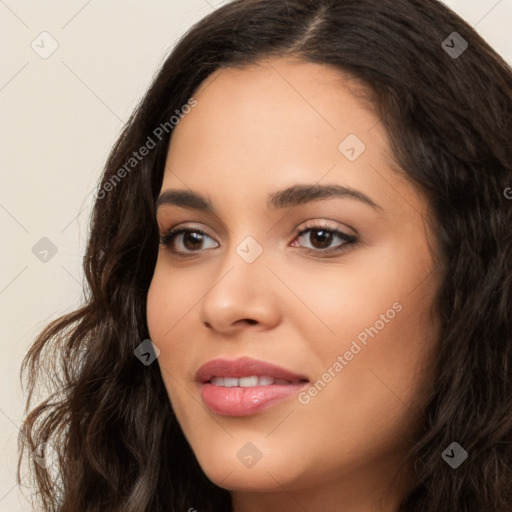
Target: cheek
x=166, y=302
x=374, y=314
x=161, y=317
x=166, y=305
x=156, y=306
x=169, y=312
x=371, y=400
x=385, y=371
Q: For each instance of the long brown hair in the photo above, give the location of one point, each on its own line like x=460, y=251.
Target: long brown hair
x=118, y=444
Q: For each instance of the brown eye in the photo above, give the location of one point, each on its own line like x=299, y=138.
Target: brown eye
x=320, y=239
x=191, y=241
x=186, y=241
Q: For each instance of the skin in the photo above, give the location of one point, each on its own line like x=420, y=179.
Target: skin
x=256, y=130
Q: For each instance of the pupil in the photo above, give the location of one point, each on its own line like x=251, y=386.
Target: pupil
x=325, y=237
x=196, y=237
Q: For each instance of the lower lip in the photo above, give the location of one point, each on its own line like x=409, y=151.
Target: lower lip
x=237, y=401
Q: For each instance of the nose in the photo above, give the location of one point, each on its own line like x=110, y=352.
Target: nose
x=243, y=294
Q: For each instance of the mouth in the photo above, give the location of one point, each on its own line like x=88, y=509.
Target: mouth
x=245, y=386
x=251, y=381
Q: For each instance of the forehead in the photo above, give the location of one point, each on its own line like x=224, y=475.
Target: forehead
x=277, y=105
x=285, y=93
x=277, y=122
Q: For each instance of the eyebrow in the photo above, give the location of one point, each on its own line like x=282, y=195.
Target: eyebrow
x=288, y=197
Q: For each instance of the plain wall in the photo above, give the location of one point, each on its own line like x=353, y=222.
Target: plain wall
x=60, y=116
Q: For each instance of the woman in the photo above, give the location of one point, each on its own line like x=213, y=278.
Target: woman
x=300, y=273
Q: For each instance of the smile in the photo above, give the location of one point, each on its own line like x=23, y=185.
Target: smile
x=245, y=386
x=248, y=382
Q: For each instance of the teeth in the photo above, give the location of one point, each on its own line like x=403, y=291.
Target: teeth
x=217, y=381
x=246, y=382
x=230, y=382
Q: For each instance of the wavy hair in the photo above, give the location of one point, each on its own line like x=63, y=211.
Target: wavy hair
x=117, y=443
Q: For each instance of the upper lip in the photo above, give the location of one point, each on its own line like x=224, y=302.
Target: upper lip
x=244, y=367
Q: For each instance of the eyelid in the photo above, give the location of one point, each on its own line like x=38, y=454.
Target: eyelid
x=325, y=224
x=310, y=224
x=178, y=229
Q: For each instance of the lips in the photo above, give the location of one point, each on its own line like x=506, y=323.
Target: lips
x=245, y=386
x=245, y=367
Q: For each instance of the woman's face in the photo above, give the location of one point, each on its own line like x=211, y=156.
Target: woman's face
x=344, y=306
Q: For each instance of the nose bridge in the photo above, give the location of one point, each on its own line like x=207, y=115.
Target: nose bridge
x=245, y=244
x=242, y=289
x=249, y=249
x=244, y=264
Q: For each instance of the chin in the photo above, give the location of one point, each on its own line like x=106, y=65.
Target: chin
x=225, y=470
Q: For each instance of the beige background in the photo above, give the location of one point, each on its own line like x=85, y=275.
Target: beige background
x=59, y=117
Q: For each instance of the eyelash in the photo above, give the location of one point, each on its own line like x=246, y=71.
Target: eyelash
x=168, y=237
